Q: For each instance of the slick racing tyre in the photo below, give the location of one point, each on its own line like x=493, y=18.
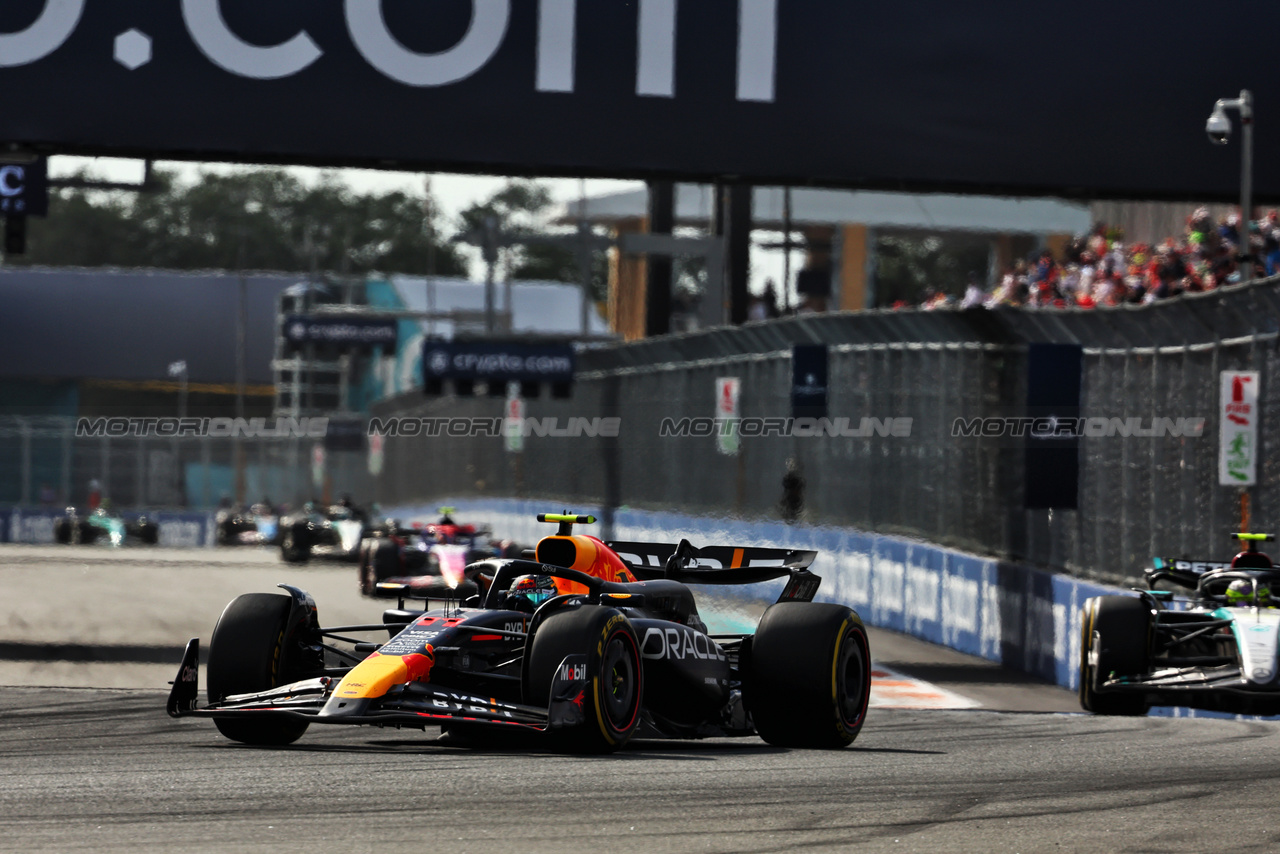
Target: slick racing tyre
x=62, y=531
x=294, y=547
x=249, y=652
x=808, y=677
x=1114, y=641
x=149, y=533
x=611, y=704
x=366, y=575
x=379, y=560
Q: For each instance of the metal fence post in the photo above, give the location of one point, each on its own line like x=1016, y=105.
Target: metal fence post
x=1154, y=457
x=24, y=430
x=68, y=429
x=104, y=469
x=1214, y=370
x=206, y=489
x=140, y=473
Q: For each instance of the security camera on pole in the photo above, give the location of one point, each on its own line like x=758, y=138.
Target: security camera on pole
x=1218, y=127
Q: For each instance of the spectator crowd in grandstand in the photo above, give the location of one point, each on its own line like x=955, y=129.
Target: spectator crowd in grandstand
x=1100, y=269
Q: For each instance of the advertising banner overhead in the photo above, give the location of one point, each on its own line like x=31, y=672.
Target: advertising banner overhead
x=496, y=361
x=809, y=381
x=343, y=332
x=1055, y=377
x=930, y=95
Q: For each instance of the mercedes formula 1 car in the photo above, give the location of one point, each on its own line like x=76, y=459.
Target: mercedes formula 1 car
x=334, y=532
x=583, y=648
x=101, y=526
x=429, y=560
x=1214, y=649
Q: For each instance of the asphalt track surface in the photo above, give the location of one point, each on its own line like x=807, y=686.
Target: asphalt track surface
x=100, y=769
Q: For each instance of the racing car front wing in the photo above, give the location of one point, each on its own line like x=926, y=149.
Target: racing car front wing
x=1221, y=688
x=414, y=704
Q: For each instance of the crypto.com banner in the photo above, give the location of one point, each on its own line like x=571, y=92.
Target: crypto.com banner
x=993, y=96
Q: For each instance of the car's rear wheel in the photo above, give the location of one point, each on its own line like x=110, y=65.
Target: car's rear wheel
x=808, y=677
x=379, y=560
x=294, y=547
x=1115, y=633
x=365, y=574
x=615, y=672
x=251, y=651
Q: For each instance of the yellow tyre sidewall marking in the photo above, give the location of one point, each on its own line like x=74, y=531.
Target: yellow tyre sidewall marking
x=835, y=666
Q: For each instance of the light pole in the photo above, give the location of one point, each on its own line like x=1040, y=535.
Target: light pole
x=489, y=249
x=1218, y=127
x=178, y=369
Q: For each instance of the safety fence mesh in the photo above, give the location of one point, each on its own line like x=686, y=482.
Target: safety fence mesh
x=1138, y=494
x=43, y=462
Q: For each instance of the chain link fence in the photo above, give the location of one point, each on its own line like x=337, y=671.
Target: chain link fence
x=1138, y=495
x=43, y=462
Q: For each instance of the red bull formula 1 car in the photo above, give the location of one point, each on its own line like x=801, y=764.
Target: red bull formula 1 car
x=1214, y=649
x=585, y=647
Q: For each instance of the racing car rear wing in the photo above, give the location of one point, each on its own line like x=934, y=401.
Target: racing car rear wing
x=1181, y=571
x=1186, y=572
x=722, y=565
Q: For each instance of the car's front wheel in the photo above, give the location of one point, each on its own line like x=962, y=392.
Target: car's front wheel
x=149, y=533
x=294, y=547
x=808, y=677
x=252, y=650
x=379, y=560
x=615, y=672
x=1114, y=641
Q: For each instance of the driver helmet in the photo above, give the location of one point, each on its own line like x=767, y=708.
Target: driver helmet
x=1240, y=593
x=527, y=592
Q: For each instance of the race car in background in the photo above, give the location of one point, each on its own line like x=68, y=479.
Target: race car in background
x=430, y=559
x=102, y=526
x=579, y=648
x=256, y=525
x=1214, y=649
x=331, y=532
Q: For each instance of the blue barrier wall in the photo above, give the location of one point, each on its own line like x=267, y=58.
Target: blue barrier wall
x=1023, y=618
x=178, y=529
